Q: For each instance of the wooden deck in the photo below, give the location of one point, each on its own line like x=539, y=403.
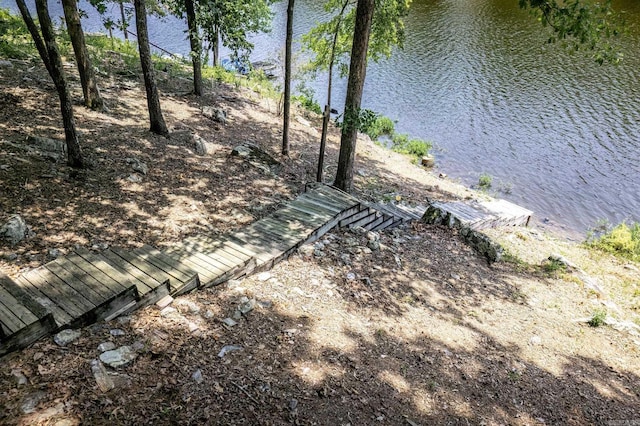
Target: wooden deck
x=85, y=286
x=477, y=215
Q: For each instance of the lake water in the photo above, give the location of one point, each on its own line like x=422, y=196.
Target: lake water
x=558, y=133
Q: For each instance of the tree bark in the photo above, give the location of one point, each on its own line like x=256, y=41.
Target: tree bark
x=196, y=47
x=158, y=125
x=216, y=46
x=326, y=116
x=74, y=153
x=125, y=24
x=355, y=86
x=35, y=34
x=92, y=98
x=287, y=79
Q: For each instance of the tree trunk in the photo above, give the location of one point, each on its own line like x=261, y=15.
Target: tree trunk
x=35, y=34
x=158, y=125
x=74, y=153
x=196, y=47
x=355, y=85
x=287, y=79
x=216, y=46
x=125, y=24
x=326, y=116
x=92, y=98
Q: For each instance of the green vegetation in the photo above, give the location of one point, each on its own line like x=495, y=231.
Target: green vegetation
x=553, y=266
x=622, y=241
x=15, y=40
x=410, y=146
x=484, y=181
x=305, y=98
x=598, y=318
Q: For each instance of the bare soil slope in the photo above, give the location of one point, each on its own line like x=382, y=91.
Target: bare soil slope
x=420, y=331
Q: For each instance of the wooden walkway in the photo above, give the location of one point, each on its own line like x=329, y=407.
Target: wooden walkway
x=85, y=287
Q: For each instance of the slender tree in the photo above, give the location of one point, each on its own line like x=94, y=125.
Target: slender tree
x=287, y=79
x=196, y=46
x=92, y=98
x=355, y=86
x=158, y=125
x=48, y=50
x=326, y=115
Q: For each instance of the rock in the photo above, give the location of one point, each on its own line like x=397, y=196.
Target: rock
x=200, y=145
x=137, y=165
x=100, y=374
x=120, y=357
x=216, y=114
x=359, y=230
x=197, y=376
x=306, y=250
x=66, y=336
x=31, y=401
x=6, y=64
x=54, y=253
x=134, y=178
x=228, y=348
x=11, y=256
x=559, y=259
x=373, y=245
x=350, y=276
x=117, y=332
x=257, y=157
x=264, y=276
x=99, y=246
x=106, y=346
x=19, y=377
x=184, y=306
x=535, y=341
x=14, y=230
x=246, y=305
x=229, y=321
x=53, y=149
x=428, y=161
x=373, y=236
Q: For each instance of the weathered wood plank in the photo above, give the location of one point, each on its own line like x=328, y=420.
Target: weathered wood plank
x=150, y=270
x=205, y=271
x=63, y=295
x=365, y=220
x=321, y=202
x=335, y=193
x=369, y=226
x=355, y=217
x=76, y=273
x=114, y=281
x=116, y=274
x=108, y=262
x=310, y=209
x=336, y=198
x=60, y=315
x=152, y=290
x=14, y=304
x=8, y=319
x=66, y=277
x=187, y=278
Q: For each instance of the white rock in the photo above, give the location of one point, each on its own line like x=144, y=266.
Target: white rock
x=66, y=336
x=120, y=357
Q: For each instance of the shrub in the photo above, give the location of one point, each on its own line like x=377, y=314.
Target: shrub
x=405, y=145
x=598, y=318
x=485, y=181
x=623, y=241
x=15, y=40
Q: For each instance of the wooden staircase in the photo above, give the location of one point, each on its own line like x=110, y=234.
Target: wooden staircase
x=85, y=287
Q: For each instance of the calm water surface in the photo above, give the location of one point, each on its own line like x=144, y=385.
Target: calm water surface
x=558, y=133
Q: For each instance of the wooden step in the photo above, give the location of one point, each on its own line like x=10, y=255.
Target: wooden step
x=149, y=289
x=22, y=319
x=182, y=279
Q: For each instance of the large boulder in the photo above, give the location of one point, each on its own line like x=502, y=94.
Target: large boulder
x=257, y=157
x=14, y=230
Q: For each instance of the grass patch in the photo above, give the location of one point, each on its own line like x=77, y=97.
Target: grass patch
x=598, y=318
x=15, y=40
x=485, y=181
x=403, y=144
x=622, y=241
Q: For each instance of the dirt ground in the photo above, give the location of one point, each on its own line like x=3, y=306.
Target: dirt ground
x=421, y=331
